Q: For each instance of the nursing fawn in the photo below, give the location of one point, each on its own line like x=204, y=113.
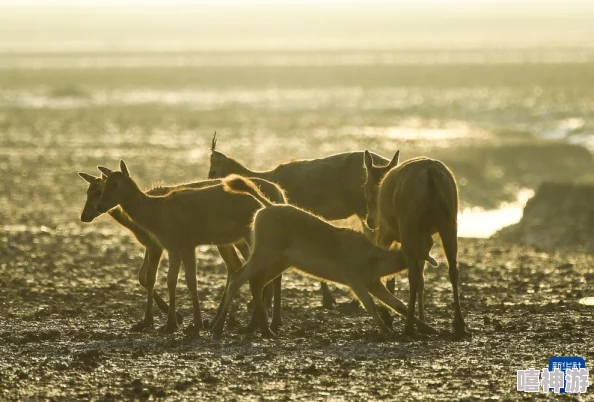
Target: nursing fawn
x=286, y=236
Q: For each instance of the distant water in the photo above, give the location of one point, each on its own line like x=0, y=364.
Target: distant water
x=480, y=223
x=159, y=109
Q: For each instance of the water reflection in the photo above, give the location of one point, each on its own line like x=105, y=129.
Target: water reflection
x=481, y=223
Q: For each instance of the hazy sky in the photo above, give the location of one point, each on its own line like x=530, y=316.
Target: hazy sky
x=291, y=24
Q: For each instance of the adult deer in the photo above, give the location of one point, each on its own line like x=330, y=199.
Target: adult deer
x=331, y=187
x=408, y=205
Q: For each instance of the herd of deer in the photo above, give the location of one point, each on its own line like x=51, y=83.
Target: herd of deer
x=278, y=219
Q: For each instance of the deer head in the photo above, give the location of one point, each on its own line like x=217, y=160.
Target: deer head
x=375, y=175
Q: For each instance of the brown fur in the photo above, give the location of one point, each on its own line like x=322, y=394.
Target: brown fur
x=286, y=236
x=331, y=187
x=153, y=250
x=178, y=221
x=414, y=201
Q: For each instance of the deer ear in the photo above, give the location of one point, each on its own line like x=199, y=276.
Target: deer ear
x=368, y=160
x=104, y=170
x=103, y=177
x=124, y=168
x=87, y=177
x=394, y=160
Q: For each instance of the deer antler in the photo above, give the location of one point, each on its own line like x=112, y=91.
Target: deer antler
x=214, y=142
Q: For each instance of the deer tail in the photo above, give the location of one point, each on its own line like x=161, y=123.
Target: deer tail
x=237, y=184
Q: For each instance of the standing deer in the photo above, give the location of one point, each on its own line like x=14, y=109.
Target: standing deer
x=286, y=236
x=153, y=250
x=331, y=187
x=179, y=221
x=411, y=203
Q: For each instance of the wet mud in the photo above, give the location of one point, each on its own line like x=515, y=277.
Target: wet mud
x=70, y=299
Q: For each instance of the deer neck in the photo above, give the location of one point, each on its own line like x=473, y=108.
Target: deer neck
x=141, y=208
x=241, y=170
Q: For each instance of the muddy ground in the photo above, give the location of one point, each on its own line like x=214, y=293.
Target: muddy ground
x=69, y=300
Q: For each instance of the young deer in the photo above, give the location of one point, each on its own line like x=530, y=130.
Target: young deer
x=331, y=187
x=411, y=203
x=153, y=250
x=179, y=221
x=285, y=236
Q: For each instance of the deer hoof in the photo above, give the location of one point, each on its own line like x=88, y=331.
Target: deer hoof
x=275, y=324
x=168, y=329
x=426, y=329
x=409, y=330
x=460, y=329
x=192, y=330
x=268, y=334
x=216, y=331
x=180, y=318
x=328, y=302
x=141, y=326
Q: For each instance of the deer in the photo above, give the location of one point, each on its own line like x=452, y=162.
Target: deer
x=286, y=235
x=153, y=251
x=330, y=187
x=408, y=205
x=178, y=221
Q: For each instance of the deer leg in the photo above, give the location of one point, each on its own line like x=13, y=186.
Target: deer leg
x=391, y=284
x=276, y=310
x=370, y=306
x=413, y=281
x=243, y=248
x=143, y=269
x=272, y=271
x=150, y=266
x=268, y=294
x=237, y=279
x=172, y=275
x=450, y=246
x=189, y=260
x=421, y=290
x=233, y=263
x=147, y=276
x=328, y=300
x=148, y=285
x=378, y=290
x=148, y=321
x=155, y=254
x=426, y=249
x=257, y=287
